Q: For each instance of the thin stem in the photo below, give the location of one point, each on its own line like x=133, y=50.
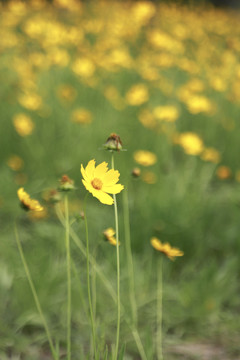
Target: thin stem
x=68, y=260
x=159, y=309
x=34, y=293
x=88, y=282
x=129, y=256
x=118, y=270
x=103, y=279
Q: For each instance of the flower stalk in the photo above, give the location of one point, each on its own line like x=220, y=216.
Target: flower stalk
x=68, y=261
x=159, y=309
x=88, y=282
x=118, y=269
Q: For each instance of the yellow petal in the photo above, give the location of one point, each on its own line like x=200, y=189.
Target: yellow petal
x=84, y=174
x=103, y=197
x=90, y=169
x=114, y=189
x=111, y=177
x=101, y=170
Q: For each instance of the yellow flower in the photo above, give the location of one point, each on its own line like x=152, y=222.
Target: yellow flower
x=109, y=236
x=223, y=172
x=23, y=124
x=15, y=162
x=27, y=202
x=137, y=95
x=81, y=116
x=145, y=158
x=211, y=154
x=191, y=143
x=166, y=248
x=166, y=113
x=100, y=181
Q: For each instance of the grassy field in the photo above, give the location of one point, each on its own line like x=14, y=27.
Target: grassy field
x=166, y=79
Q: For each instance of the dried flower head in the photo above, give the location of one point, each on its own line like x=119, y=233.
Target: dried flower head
x=113, y=143
x=66, y=184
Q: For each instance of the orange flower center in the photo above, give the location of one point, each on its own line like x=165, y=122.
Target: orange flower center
x=97, y=184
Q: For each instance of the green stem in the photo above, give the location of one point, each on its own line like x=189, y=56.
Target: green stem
x=68, y=260
x=34, y=293
x=159, y=309
x=103, y=279
x=88, y=282
x=118, y=270
x=129, y=256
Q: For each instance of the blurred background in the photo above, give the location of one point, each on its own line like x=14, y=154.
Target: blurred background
x=165, y=76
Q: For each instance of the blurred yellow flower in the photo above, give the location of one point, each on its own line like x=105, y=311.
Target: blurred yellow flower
x=197, y=104
x=144, y=157
x=166, y=248
x=83, y=67
x=149, y=177
x=210, y=154
x=167, y=113
x=66, y=92
x=223, y=172
x=137, y=95
x=147, y=119
x=191, y=143
x=109, y=236
x=30, y=101
x=23, y=124
x=100, y=181
x=15, y=162
x=27, y=202
x=81, y=116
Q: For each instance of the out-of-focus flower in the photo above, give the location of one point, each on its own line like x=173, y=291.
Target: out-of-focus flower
x=83, y=67
x=149, y=177
x=191, y=143
x=100, y=181
x=66, y=93
x=166, y=113
x=223, y=172
x=23, y=124
x=197, y=104
x=81, y=116
x=145, y=158
x=136, y=172
x=211, y=154
x=15, y=162
x=28, y=203
x=137, y=95
x=147, y=119
x=109, y=236
x=166, y=248
x=143, y=11
x=30, y=101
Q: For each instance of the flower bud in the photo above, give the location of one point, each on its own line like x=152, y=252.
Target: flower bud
x=136, y=172
x=113, y=143
x=66, y=184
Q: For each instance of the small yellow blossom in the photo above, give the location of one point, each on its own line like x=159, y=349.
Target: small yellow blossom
x=166, y=113
x=66, y=93
x=191, y=143
x=223, y=172
x=137, y=95
x=211, y=154
x=145, y=158
x=15, y=162
x=109, y=236
x=147, y=119
x=166, y=248
x=23, y=124
x=101, y=182
x=27, y=202
x=83, y=67
x=30, y=101
x=197, y=104
x=81, y=116
x=149, y=177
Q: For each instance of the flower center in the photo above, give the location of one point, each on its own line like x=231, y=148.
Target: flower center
x=97, y=184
